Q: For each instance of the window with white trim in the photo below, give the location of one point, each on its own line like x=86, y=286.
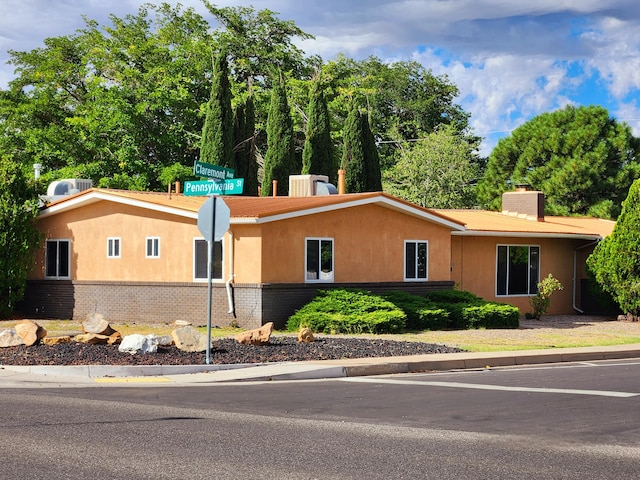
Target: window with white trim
x=319, y=260
x=57, y=259
x=517, y=270
x=416, y=262
x=152, y=247
x=113, y=247
x=201, y=260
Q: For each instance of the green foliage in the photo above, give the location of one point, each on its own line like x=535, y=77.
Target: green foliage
x=615, y=261
x=279, y=161
x=422, y=314
x=175, y=172
x=582, y=159
x=467, y=310
x=317, y=155
x=359, y=155
x=348, y=311
x=439, y=171
x=245, y=146
x=217, y=133
x=19, y=236
x=541, y=301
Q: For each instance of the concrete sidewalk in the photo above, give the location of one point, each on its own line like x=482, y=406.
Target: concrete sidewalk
x=102, y=375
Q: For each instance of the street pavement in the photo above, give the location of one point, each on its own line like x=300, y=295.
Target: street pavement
x=174, y=375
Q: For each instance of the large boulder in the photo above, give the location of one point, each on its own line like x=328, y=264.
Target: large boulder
x=10, y=338
x=189, y=339
x=137, y=343
x=95, y=323
x=30, y=332
x=258, y=336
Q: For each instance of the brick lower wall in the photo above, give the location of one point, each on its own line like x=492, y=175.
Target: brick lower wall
x=120, y=302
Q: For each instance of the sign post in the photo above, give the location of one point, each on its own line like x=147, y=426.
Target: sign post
x=213, y=223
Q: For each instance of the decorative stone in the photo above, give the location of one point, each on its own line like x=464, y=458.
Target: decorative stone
x=189, y=339
x=258, y=336
x=30, y=332
x=137, y=343
x=56, y=340
x=95, y=323
x=92, y=338
x=115, y=338
x=305, y=335
x=10, y=338
x=165, y=340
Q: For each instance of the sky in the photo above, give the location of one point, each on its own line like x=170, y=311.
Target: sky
x=510, y=59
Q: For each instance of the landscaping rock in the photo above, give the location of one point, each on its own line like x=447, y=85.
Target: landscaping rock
x=189, y=339
x=10, y=338
x=92, y=338
x=306, y=335
x=137, y=343
x=95, y=323
x=259, y=336
x=30, y=332
x=56, y=340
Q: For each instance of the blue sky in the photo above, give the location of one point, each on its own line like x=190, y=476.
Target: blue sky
x=510, y=59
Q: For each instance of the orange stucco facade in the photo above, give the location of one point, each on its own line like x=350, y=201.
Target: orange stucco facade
x=368, y=245
x=474, y=267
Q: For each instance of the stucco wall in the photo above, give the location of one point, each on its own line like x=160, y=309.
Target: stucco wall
x=474, y=268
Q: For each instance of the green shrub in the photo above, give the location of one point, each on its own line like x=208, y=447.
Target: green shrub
x=422, y=314
x=453, y=296
x=491, y=315
x=348, y=311
x=542, y=300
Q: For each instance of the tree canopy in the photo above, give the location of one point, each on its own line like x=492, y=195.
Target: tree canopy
x=615, y=262
x=582, y=159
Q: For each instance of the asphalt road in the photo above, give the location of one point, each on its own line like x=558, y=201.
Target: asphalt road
x=553, y=422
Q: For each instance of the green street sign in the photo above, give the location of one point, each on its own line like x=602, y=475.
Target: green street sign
x=207, y=170
x=214, y=187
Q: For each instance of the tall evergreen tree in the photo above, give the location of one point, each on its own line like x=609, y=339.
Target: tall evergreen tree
x=279, y=161
x=244, y=150
x=19, y=236
x=217, y=133
x=317, y=155
x=615, y=262
x=373, y=176
x=360, y=156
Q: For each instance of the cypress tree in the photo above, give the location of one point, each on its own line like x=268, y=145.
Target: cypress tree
x=217, y=133
x=354, y=160
x=244, y=150
x=373, y=175
x=317, y=155
x=279, y=161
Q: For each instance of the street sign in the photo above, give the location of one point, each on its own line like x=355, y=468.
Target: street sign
x=208, y=170
x=213, y=227
x=233, y=186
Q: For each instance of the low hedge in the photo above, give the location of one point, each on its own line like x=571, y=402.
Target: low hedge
x=467, y=310
x=348, y=311
x=422, y=314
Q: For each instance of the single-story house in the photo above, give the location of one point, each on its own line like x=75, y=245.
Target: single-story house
x=140, y=256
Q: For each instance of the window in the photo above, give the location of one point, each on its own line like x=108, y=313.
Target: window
x=517, y=270
x=153, y=247
x=113, y=247
x=201, y=260
x=415, y=260
x=319, y=259
x=57, y=259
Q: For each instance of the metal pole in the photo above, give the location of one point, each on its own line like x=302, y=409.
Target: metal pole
x=210, y=279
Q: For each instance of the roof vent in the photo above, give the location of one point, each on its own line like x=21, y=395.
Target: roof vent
x=67, y=186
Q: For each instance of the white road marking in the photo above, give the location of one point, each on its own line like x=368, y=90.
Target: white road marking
x=476, y=386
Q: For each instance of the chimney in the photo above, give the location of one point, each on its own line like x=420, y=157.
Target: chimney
x=341, y=183
x=524, y=203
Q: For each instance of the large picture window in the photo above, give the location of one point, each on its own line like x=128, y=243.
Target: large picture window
x=518, y=268
x=201, y=260
x=415, y=260
x=319, y=259
x=57, y=259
